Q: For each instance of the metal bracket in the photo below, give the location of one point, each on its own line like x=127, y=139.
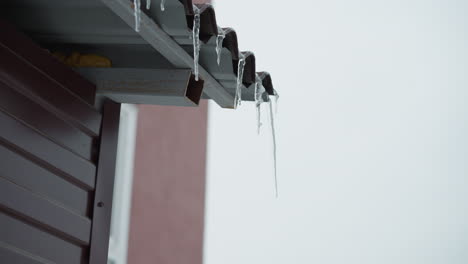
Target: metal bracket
x=146, y=86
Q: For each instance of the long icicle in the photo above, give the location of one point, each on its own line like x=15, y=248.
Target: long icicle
x=163, y=5
x=196, y=40
x=273, y=133
x=148, y=4
x=137, y=14
x=219, y=43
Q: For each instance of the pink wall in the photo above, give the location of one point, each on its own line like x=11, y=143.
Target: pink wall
x=167, y=215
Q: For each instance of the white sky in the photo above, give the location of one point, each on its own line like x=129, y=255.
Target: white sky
x=372, y=136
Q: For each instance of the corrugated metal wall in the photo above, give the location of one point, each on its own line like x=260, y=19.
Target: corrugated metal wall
x=49, y=143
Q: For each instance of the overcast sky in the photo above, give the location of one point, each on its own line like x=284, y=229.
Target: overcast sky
x=372, y=136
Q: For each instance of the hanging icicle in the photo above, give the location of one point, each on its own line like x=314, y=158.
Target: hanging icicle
x=276, y=95
x=261, y=96
x=219, y=43
x=259, y=92
x=148, y=4
x=240, y=77
x=163, y=5
x=137, y=14
x=196, y=39
x=273, y=134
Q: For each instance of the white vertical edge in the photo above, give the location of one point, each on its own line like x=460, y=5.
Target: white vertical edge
x=121, y=207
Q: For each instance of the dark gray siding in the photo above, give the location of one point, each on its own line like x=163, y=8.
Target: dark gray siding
x=50, y=141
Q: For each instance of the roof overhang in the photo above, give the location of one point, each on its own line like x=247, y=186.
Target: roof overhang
x=163, y=42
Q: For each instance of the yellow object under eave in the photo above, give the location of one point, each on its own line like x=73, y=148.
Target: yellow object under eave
x=84, y=60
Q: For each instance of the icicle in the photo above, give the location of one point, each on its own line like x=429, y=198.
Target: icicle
x=196, y=40
x=148, y=4
x=240, y=77
x=259, y=91
x=276, y=95
x=219, y=43
x=163, y=5
x=273, y=133
x=137, y=14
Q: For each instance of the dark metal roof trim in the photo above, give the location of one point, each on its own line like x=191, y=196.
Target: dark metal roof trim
x=209, y=29
x=230, y=43
x=249, y=93
x=249, y=70
x=188, y=7
x=208, y=26
x=266, y=82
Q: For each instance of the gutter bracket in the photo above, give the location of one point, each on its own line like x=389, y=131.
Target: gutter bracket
x=175, y=87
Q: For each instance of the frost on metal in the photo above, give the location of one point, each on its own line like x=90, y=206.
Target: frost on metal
x=196, y=39
x=163, y=5
x=240, y=77
x=219, y=43
x=137, y=14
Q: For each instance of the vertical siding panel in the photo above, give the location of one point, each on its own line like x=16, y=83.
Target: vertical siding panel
x=105, y=184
